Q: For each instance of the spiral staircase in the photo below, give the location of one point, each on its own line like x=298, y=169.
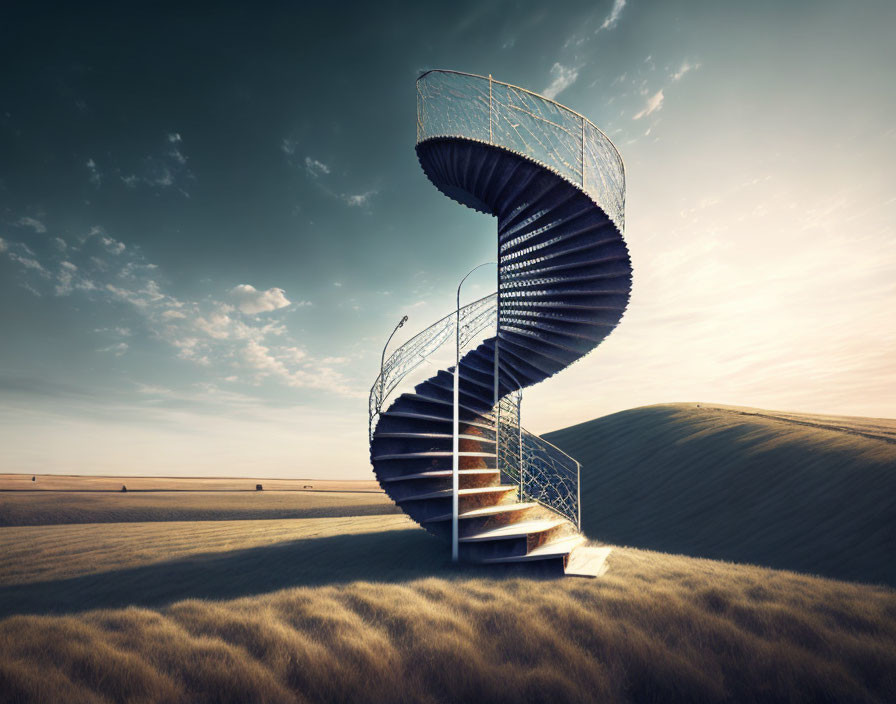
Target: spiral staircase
x=556, y=185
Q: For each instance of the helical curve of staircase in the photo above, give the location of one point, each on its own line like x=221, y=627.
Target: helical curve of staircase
x=556, y=185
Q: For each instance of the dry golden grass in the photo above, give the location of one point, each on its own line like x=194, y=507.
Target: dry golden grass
x=656, y=628
x=329, y=605
x=40, y=553
x=19, y=508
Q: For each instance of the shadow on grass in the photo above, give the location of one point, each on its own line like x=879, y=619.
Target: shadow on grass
x=388, y=556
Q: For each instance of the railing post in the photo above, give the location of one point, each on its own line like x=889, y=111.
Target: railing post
x=579, y=494
x=490, y=140
x=496, y=396
x=519, y=425
x=583, y=153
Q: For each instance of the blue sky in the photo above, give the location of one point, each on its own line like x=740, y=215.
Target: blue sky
x=210, y=221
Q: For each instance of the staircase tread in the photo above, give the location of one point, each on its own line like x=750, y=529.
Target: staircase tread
x=431, y=453
x=554, y=549
x=446, y=493
x=433, y=436
x=515, y=530
x=489, y=510
x=438, y=474
x=440, y=419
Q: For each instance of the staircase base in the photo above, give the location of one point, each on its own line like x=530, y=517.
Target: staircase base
x=587, y=562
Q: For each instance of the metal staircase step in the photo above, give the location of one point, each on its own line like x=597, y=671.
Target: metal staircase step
x=435, y=436
x=447, y=493
x=430, y=454
x=514, y=530
x=483, y=512
x=550, y=551
x=438, y=474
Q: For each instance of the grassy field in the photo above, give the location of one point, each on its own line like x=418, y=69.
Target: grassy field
x=388, y=621
x=215, y=596
x=794, y=491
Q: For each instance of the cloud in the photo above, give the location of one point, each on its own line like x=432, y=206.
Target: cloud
x=654, y=103
x=65, y=277
x=358, y=201
x=114, y=246
x=226, y=336
x=611, y=19
x=95, y=176
x=118, y=348
x=315, y=168
x=23, y=255
x=33, y=223
x=288, y=146
x=165, y=169
x=562, y=78
x=251, y=301
x=685, y=68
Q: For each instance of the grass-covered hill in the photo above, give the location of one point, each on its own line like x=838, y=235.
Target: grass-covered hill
x=793, y=491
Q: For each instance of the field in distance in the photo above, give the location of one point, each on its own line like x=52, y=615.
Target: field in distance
x=57, y=500
x=73, y=482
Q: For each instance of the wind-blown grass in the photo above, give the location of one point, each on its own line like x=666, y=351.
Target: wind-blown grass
x=656, y=628
x=19, y=508
x=339, y=607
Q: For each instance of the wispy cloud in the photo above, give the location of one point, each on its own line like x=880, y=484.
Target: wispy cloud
x=562, y=77
x=685, y=68
x=613, y=18
x=118, y=349
x=225, y=334
x=315, y=168
x=654, y=103
x=359, y=200
x=165, y=169
x=33, y=223
x=95, y=177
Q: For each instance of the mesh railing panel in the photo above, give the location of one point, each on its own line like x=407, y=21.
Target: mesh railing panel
x=452, y=104
x=541, y=471
x=474, y=318
x=550, y=476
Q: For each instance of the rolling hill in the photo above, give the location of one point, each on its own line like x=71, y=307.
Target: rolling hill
x=801, y=492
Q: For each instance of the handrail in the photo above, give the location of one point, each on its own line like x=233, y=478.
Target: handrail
x=455, y=104
x=524, y=90
x=474, y=317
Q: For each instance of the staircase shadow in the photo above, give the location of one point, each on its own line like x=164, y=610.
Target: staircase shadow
x=388, y=556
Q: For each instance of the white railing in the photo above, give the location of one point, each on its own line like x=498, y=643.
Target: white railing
x=542, y=471
x=474, y=318
x=479, y=108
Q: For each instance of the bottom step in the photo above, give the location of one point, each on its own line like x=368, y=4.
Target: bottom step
x=588, y=562
x=551, y=551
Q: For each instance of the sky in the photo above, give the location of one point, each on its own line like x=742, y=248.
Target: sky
x=210, y=220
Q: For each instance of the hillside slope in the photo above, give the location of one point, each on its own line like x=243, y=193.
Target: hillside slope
x=793, y=491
